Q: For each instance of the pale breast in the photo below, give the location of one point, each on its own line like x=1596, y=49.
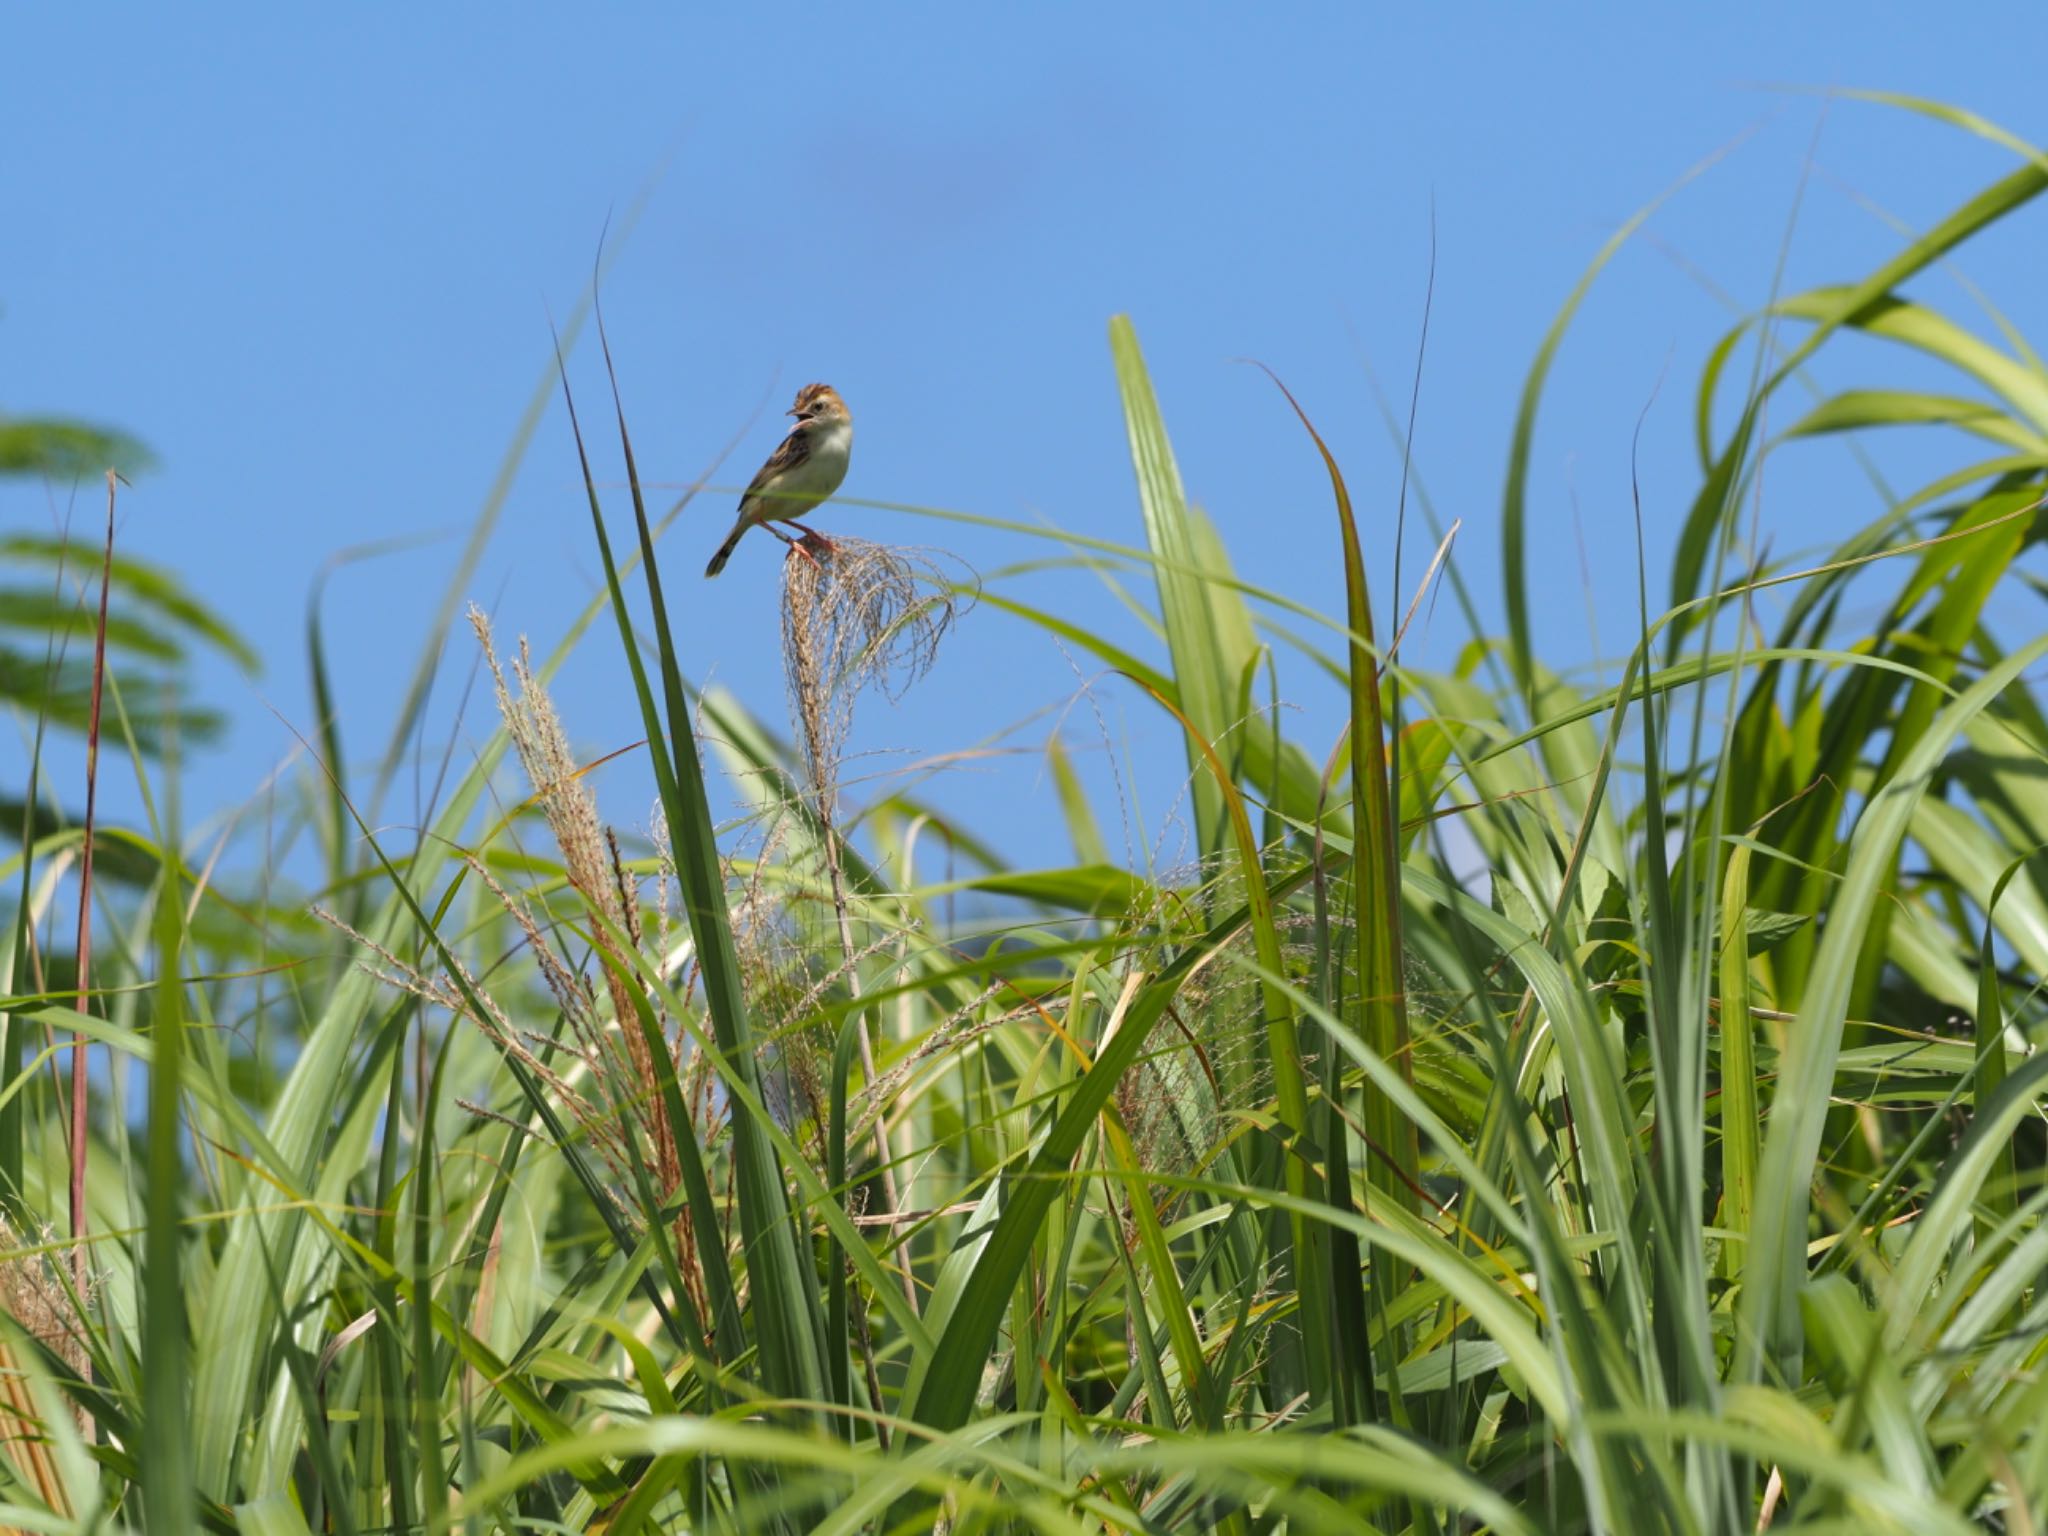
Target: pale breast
x=825, y=466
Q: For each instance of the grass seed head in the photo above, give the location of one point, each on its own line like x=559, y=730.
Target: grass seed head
x=856, y=615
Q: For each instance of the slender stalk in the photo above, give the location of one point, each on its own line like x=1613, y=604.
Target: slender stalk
x=811, y=630
x=79, y=1081
x=884, y=1154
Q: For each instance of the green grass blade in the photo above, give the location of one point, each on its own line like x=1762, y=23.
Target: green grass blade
x=166, y=1366
x=943, y=1396
x=784, y=1307
x=1739, y=1108
x=1383, y=1003
x=1203, y=674
x=1777, y=1259
x=1718, y=496
x=2001, y=1196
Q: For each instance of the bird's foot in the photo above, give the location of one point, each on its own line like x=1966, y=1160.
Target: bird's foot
x=811, y=545
x=807, y=546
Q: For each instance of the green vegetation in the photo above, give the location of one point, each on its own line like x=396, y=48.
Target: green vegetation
x=1679, y=1173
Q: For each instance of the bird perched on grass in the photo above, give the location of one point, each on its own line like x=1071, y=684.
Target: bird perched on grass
x=798, y=475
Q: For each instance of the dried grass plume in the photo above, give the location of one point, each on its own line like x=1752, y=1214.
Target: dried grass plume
x=856, y=615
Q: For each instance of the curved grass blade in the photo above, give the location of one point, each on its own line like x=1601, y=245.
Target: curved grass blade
x=1203, y=673
x=1777, y=1259
x=785, y=1306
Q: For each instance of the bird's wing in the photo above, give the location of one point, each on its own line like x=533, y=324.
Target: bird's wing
x=793, y=450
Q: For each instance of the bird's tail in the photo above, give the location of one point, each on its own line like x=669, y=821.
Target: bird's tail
x=725, y=552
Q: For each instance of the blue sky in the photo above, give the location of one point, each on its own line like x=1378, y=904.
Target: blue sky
x=309, y=257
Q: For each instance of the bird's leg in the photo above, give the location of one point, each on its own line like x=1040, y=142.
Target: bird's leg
x=798, y=547
x=812, y=539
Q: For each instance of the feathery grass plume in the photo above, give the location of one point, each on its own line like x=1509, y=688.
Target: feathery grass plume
x=1207, y=1058
x=595, y=867
x=855, y=615
x=609, y=1084
x=783, y=986
x=589, y=855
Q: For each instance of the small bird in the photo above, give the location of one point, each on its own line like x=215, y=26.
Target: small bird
x=798, y=475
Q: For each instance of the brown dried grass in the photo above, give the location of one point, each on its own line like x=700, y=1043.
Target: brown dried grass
x=34, y=1295
x=856, y=616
